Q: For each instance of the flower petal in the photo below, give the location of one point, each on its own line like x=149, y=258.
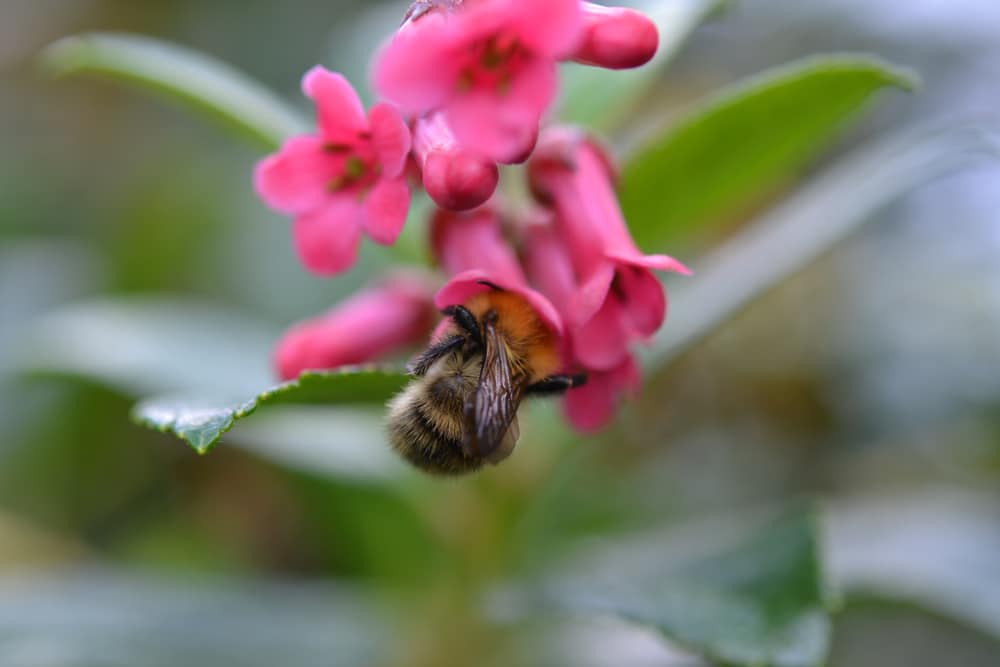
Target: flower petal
x=294, y=352
x=591, y=407
x=386, y=207
x=294, y=179
x=543, y=308
x=526, y=143
x=531, y=92
x=417, y=70
x=574, y=175
x=461, y=288
x=481, y=20
x=550, y=27
x=592, y=293
x=549, y=268
x=375, y=322
x=390, y=137
x=503, y=125
x=338, y=110
x=474, y=240
x=327, y=239
x=656, y=262
x=643, y=300
x=468, y=284
x=601, y=343
x=487, y=124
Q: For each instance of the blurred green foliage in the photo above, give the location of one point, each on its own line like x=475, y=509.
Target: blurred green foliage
x=731, y=155
x=136, y=263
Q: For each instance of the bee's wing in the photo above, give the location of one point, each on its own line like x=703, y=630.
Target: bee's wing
x=491, y=411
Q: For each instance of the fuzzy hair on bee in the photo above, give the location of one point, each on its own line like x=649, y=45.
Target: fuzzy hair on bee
x=460, y=410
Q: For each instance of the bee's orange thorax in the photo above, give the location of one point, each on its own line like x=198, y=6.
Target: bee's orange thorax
x=531, y=345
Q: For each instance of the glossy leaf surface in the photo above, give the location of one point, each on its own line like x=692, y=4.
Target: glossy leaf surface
x=737, y=149
x=194, y=79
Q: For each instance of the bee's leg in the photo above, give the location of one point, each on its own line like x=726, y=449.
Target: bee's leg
x=423, y=362
x=492, y=286
x=557, y=384
x=464, y=318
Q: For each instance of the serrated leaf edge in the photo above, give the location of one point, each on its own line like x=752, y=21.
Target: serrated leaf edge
x=242, y=410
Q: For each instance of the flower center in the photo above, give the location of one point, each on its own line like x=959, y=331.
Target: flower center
x=355, y=166
x=493, y=63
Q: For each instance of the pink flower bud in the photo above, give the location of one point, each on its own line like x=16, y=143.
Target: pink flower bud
x=489, y=66
x=616, y=37
x=374, y=323
x=346, y=180
x=471, y=248
x=455, y=178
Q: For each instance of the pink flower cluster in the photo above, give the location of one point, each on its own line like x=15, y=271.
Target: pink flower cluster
x=465, y=86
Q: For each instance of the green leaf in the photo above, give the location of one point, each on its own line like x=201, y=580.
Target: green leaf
x=35, y=276
x=191, y=78
x=202, y=422
x=92, y=617
x=340, y=442
x=784, y=241
x=599, y=98
x=936, y=548
x=754, y=599
x=737, y=149
x=144, y=345
x=184, y=351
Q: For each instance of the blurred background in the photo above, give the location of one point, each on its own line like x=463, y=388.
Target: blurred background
x=870, y=380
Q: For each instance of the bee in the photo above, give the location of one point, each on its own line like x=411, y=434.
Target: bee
x=460, y=410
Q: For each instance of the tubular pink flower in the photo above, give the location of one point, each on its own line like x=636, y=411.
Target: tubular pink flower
x=471, y=249
x=489, y=66
x=456, y=178
x=345, y=180
x=388, y=317
x=547, y=263
x=600, y=342
x=616, y=37
x=589, y=408
x=550, y=269
x=617, y=299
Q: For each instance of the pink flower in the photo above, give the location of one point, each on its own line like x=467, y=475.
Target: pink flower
x=472, y=250
x=488, y=65
x=616, y=37
x=591, y=407
x=550, y=270
x=343, y=181
x=454, y=177
x=372, y=324
x=617, y=300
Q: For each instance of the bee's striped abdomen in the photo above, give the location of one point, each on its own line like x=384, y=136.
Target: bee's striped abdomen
x=424, y=431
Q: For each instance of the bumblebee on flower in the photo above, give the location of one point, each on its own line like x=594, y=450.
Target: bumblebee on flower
x=548, y=300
